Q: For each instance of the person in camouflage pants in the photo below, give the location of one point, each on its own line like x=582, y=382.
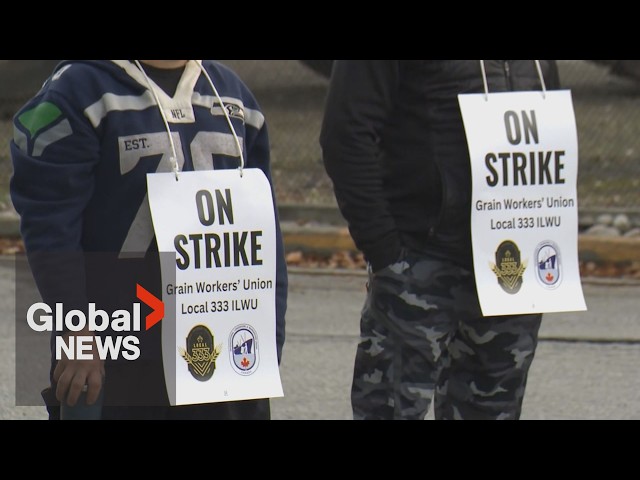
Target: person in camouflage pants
x=423, y=335
x=394, y=145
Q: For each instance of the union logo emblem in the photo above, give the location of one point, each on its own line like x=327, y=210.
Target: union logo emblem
x=549, y=265
x=243, y=348
x=200, y=353
x=508, y=267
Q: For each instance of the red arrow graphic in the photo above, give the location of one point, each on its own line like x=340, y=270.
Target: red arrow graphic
x=155, y=303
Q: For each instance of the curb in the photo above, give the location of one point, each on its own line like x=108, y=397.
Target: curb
x=613, y=249
x=322, y=239
x=327, y=239
x=348, y=272
x=332, y=234
x=9, y=226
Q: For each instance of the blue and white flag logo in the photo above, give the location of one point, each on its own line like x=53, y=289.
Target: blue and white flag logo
x=548, y=264
x=243, y=345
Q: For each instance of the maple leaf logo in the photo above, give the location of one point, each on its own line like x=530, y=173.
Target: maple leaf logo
x=550, y=277
x=244, y=362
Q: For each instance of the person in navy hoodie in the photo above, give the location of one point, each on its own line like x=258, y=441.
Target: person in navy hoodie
x=81, y=151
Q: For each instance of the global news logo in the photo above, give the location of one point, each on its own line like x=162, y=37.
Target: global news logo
x=84, y=339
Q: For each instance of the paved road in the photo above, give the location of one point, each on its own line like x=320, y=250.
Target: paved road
x=585, y=366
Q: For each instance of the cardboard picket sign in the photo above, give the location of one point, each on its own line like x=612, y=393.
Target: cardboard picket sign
x=219, y=341
x=524, y=212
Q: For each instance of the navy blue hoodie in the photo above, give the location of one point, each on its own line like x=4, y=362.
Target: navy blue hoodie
x=84, y=144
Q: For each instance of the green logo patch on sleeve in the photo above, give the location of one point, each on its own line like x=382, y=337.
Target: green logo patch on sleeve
x=39, y=117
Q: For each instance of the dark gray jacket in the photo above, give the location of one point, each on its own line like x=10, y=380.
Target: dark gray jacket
x=394, y=146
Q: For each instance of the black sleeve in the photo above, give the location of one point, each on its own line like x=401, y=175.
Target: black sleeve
x=360, y=96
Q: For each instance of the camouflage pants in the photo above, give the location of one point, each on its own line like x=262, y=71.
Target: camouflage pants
x=423, y=337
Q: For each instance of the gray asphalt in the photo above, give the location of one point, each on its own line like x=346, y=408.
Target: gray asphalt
x=585, y=367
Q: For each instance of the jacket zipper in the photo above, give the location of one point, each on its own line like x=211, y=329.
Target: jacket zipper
x=507, y=74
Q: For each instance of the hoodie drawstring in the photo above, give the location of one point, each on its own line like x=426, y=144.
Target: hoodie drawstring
x=226, y=115
x=174, y=156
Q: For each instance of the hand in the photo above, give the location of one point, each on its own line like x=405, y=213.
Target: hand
x=72, y=375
